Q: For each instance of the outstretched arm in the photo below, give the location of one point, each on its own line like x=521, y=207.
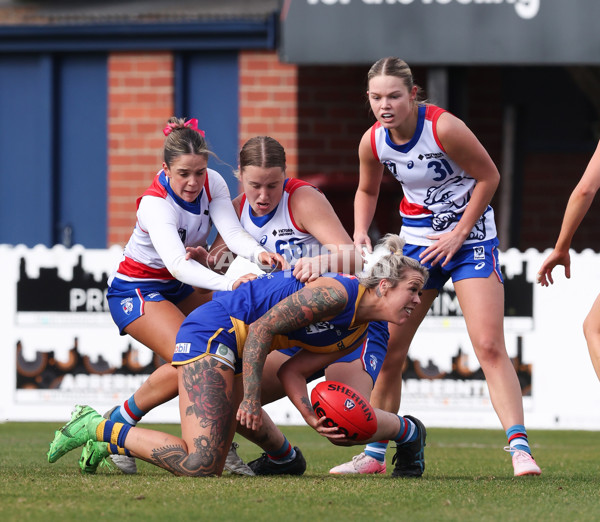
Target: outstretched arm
x=160, y=220
x=318, y=301
x=579, y=203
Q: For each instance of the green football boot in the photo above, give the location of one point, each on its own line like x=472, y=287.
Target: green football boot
x=93, y=455
x=75, y=433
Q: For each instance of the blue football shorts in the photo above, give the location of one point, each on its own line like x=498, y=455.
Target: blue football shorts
x=208, y=330
x=126, y=299
x=475, y=260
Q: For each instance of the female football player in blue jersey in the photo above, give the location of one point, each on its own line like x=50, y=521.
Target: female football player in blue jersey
x=448, y=180
x=233, y=334
x=292, y=217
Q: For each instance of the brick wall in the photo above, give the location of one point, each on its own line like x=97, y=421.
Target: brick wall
x=140, y=101
x=317, y=113
x=268, y=101
x=549, y=179
x=333, y=114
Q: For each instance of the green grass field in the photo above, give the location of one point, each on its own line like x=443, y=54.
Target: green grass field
x=467, y=477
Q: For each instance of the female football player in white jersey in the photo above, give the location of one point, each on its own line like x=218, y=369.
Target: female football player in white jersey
x=155, y=285
x=292, y=217
x=287, y=215
x=232, y=335
x=448, y=180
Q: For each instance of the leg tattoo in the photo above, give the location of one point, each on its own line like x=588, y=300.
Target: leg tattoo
x=212, y=404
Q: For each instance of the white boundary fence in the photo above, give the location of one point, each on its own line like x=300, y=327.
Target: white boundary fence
x=60, y=346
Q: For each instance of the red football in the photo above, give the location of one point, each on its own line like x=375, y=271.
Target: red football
x=345, y=408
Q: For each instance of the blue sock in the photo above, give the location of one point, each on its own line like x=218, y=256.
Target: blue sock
x=408, y=431
x=284, y=454
x=129, y=413
x=517, y=438
x=377, y=450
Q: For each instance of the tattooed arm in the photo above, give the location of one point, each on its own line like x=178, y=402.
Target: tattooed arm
x=318, y=301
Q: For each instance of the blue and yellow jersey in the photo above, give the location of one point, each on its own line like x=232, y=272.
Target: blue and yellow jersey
x=226, y=319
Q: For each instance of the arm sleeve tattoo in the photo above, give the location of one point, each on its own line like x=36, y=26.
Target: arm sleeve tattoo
x=307, y=306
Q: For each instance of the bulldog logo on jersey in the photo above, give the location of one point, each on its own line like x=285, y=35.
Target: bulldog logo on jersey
x=182, y=234
x=391, y=166
x=373, y=362
x=127, y=305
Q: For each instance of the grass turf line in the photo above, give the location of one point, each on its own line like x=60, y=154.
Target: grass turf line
x=467, y=477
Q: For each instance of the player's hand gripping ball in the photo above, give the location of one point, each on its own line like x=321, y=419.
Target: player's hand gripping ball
x=345, y=408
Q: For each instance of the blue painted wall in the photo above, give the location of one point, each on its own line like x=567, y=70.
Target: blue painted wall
x=25, y=148
x=53, y=108
x=82, y=151
x=207, y=88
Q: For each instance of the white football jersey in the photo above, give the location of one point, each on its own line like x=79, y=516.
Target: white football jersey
x=192, y=220
x=166, y=224
x=436, y=190
x=277, y=231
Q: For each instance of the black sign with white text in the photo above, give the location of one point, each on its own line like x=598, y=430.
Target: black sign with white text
x=444, y=32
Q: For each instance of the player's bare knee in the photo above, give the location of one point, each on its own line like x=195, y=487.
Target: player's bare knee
x=490, y=351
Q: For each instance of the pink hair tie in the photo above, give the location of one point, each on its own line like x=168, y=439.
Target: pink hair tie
x=190, y=124
x=168, y=129
x=193, y=124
